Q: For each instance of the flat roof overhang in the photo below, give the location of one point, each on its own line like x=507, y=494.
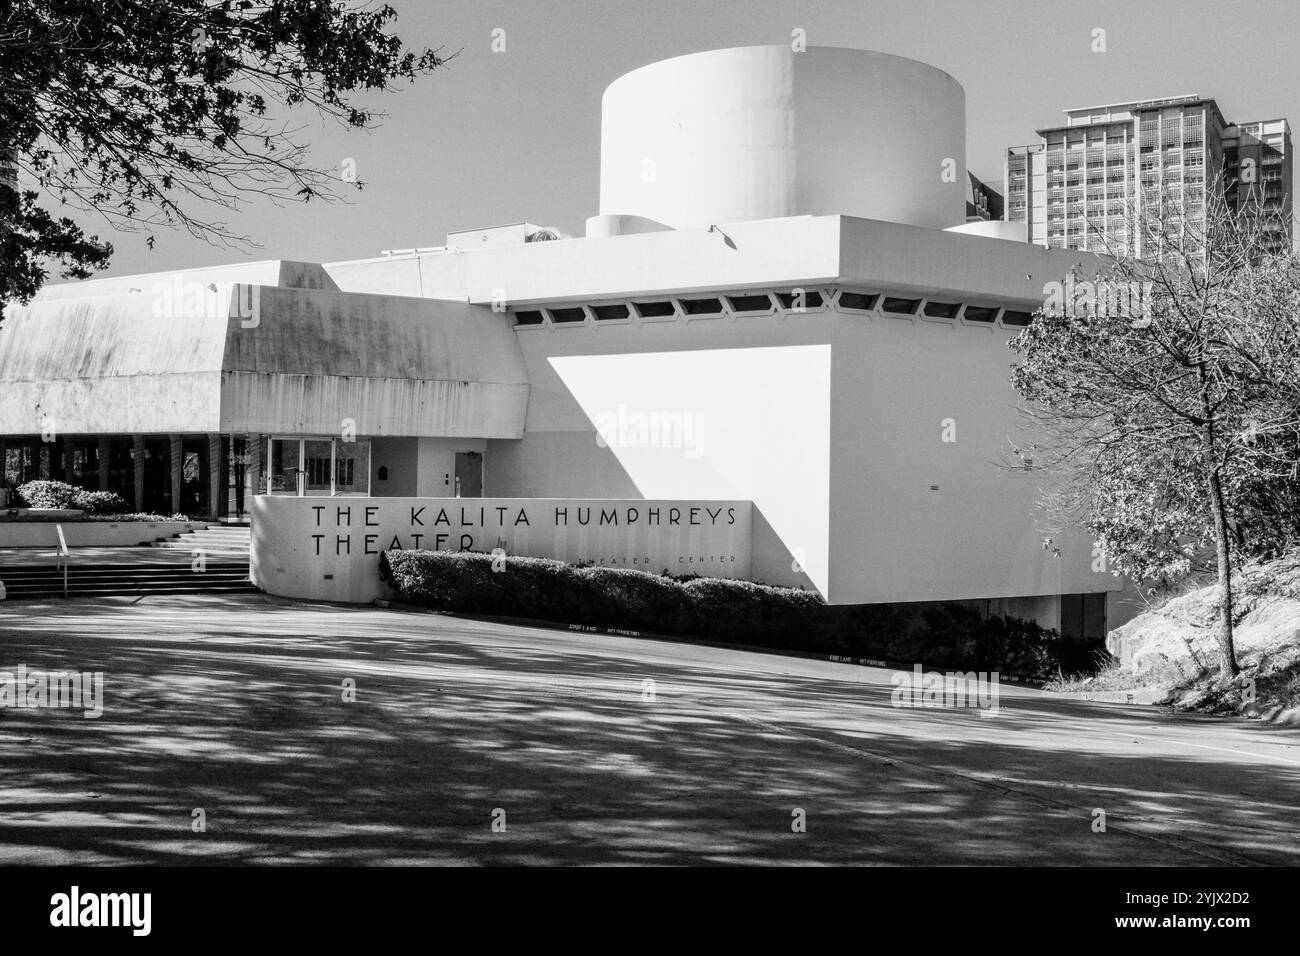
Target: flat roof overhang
x=804, y=251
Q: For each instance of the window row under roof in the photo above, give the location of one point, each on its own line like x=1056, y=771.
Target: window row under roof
x=737, y=305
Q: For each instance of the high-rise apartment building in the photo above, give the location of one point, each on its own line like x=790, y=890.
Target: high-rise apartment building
x=1079, y=186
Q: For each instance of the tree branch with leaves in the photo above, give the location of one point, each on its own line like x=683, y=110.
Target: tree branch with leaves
x=150, y=113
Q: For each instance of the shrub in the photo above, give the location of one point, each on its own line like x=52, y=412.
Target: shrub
x=100, y=502
x=721, y=611
x=47, y=494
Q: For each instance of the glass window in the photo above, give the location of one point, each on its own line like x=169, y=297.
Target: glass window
x=941, y=310
x=702, y=306
x=316, y=463
x=859, y=301
x=980, y=313
x=655, y=310
x=352, y=466
x=610, y=313
x=900, y=306
x=812, y=299
x=749, y=303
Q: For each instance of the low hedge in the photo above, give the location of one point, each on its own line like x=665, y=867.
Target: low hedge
x=723, y=611
x=100, y=502
x=58, y=494
x=47, y=494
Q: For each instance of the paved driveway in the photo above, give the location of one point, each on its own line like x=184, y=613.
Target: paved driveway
x=234, y=706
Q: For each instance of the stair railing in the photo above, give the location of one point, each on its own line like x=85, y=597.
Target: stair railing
x=61, y=557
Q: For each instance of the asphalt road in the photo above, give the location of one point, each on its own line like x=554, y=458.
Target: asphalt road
x=234, y=706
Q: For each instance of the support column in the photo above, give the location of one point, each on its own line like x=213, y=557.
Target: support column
x=253, y=476
x=214, y=477
x=175, y=458
x=137, y=465
x=102, y=447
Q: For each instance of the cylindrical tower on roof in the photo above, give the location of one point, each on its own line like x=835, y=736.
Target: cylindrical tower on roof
x=763, y=131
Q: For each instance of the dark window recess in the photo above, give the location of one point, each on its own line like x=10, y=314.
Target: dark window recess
x=654, y=310
x=608, y=313
x=812, y=299
x=900, y=306
x=858, y=300
x=749, y=303
x=571, y=314
x=942, y=310
x=1018, y=319
x=318, y=471
x=980, y=313
x=701, y=306
x=531, y=317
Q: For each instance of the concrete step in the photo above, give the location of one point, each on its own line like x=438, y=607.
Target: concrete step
x=212, y=539
x=46, y=581
x=188, y=542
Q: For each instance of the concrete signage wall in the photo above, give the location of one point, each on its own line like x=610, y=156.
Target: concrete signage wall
x=328, y=548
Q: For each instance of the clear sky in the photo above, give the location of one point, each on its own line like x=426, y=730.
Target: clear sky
x=515, y=135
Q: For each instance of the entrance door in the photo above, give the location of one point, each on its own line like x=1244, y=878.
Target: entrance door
x=469, y=474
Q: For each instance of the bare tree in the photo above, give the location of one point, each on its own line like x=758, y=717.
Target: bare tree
x=1161, y=381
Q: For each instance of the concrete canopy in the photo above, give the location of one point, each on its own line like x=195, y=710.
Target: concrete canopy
x=190, y=352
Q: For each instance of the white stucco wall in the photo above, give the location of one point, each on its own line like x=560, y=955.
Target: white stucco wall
x=833, y=425
x=923, y=494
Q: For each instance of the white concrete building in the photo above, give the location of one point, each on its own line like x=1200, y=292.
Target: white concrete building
x=774, y=304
